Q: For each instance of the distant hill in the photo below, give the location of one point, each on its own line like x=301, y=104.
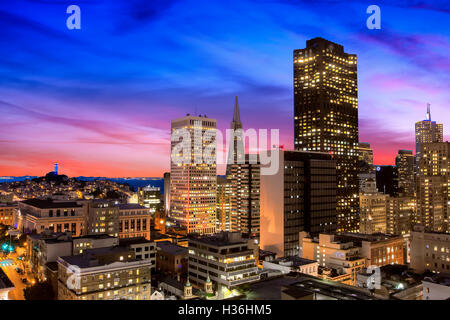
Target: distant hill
x=133, y=182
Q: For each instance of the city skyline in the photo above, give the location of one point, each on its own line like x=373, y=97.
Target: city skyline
x=103, y=108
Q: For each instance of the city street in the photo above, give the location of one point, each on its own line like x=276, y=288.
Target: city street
x=9, y=265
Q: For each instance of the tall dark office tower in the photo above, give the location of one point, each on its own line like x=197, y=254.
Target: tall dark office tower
x=326, y=117
x=245, y=207
x=387, y=180
x=405, y=168
x=301, y=196
x=236, y=150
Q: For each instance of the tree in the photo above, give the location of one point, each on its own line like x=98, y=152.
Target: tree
x=40, y=291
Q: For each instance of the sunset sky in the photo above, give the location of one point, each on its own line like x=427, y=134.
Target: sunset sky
x=99, y=100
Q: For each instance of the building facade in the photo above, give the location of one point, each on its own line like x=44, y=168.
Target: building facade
x=433, y=186
x=326, y=117
x=227, y=258
x=58, y=216
x=224, y=202
x=405, y=162
x=134, y=221
x=427, y=131
x=245, y=208
x=104, y=274
x=300, y=197
x=150, y=197
x=193, y=179
x=429, y=250
x=8, y=213
x=102, y=218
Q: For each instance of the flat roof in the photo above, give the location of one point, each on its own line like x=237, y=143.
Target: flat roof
x=130, y=206
x=439, y=278
x=296, y=261
x=220, y=239
x=50, y=204
x=171, y=248
x=131, y=241
x=89, y=257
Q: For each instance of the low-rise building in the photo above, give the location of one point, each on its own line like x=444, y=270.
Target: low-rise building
x=378, y=249
x=47, y=246
x=437, y=287
x=227, y=258
x=143, y=249
x=293, y=264
x=171, y=258
x=394, y=282
x=429, y=250
x=104, y=274
x=308, y=288
x=340, y=260
x=8, y=213
x=58, y=216
x=102, y=218
x=134, y=221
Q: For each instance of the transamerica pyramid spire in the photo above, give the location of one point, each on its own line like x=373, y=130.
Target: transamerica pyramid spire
x=236, y=150
x=236, y=114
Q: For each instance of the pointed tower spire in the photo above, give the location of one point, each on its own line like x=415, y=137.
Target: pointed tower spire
x=236, y=114
x=428, y=112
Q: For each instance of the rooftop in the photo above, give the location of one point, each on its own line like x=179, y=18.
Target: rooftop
x=171, y=248
x=293, y=261
x=132, y=241
x=90, y=257
x=130, y=206
x=440, y=278
x=331, y=289
x=50, y=204
x=221, y=239
x=358, y=238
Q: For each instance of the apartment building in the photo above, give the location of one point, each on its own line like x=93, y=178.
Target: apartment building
x=102, y=217
x=171, y=258
x=104, y=274
x=332, y=254
x=8, y=213
x=47, y=246
x=143, y=249
x=134, y=221
x=59, y=216
x=227, y=258
x=429, y=250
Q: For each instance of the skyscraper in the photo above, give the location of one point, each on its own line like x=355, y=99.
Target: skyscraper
x=193, y=177
x=366, y=169
x=387, y=180
x=427, y=131
x=236, y=150
x=245, y=208
x=433, y=184
x=243, y=171
x=405, y=169
x=166, y=192
x=326, y=117
x=224, y=201
x=301, y=196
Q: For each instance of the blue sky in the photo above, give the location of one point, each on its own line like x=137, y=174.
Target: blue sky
x=99, y=100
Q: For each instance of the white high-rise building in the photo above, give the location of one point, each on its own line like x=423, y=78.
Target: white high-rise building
x=193, y=181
